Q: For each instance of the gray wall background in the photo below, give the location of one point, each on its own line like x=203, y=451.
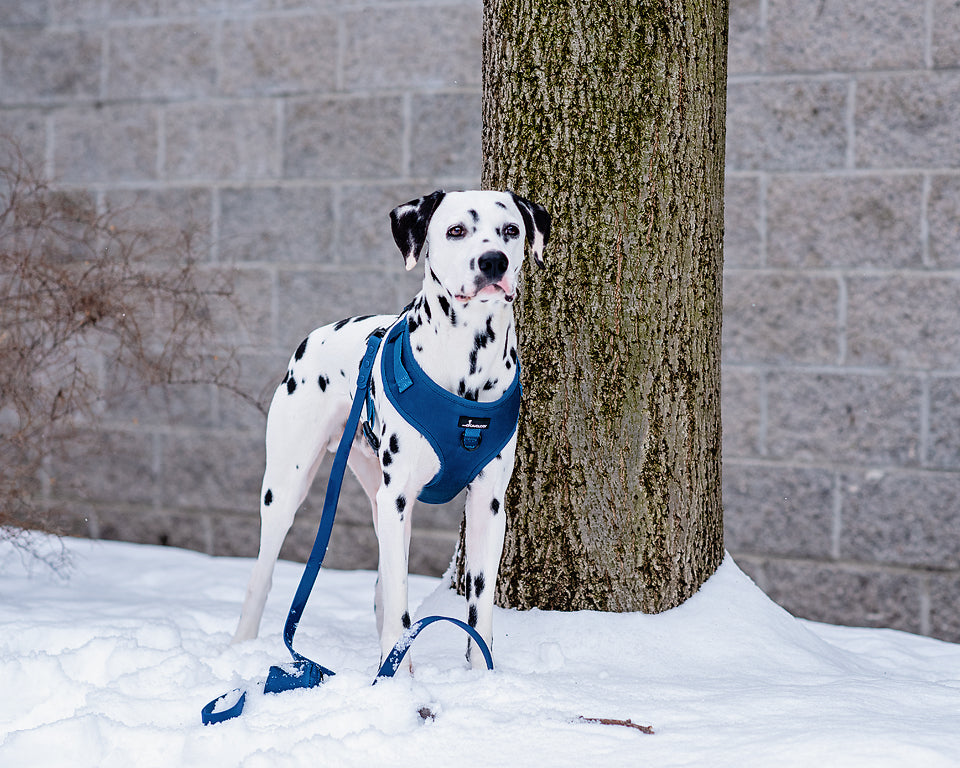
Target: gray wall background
x=285, y=130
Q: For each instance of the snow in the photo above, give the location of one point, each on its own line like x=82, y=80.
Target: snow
x=111, y=666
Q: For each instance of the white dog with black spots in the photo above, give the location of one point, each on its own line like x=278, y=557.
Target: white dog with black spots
x=462, y=334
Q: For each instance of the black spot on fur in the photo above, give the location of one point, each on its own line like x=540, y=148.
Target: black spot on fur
x=500, y=205
x=490, y=384
x=473, y=215
x=413, y=323
x=405, y=620
x=444, y=305
x=478, y=584
x=300, y=350
x=495, y=504
x=386, y=459
x=401, y=503
x=386, y=478
x=469, y=586
x=360, y=317
x=426, y=309
x=473, y=361
x=268, y=498
x=472, y=616
x=340, y=323
x=323, y=381
x=291, y=385
x=394, y=443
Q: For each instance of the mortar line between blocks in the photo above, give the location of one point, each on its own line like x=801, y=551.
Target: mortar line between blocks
x=850, y=121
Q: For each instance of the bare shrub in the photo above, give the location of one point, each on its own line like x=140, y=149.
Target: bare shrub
x=87, y=297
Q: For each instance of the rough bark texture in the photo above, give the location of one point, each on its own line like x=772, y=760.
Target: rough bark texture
x=611, y=114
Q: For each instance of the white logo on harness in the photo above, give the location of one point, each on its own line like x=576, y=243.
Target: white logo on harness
x=470, y=422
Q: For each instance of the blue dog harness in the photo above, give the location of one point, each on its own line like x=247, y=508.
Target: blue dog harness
x=465, y=434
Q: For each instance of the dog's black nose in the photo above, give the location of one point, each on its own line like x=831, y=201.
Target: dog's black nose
x=493, y=265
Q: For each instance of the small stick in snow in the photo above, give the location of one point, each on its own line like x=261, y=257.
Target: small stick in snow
x=610, y=721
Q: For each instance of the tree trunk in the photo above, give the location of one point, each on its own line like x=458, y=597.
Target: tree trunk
x=611, y=115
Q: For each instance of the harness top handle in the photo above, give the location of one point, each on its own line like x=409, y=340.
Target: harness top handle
x=301, y=672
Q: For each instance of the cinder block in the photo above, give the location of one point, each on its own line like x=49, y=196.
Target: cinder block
x=236, y=535
x=161, y=60
x=364, y=215
x=189, y=530
x=445, y=136
x=818, y=36
x=43, y=63
x=776, y=317
x=903, y=321
x=221, y=140
x=794, y=125
x=128, y=404
x=777, y=510
x=162, y=226
x=279, y=55
x=745, y=46
x=15, y=13
x=908, y=121
x=282, y=224
x=431, y=551
x=210, y=470
x=247, y=319
x=830, y=221
x=117, y=467
x=844, y=417
x=145, y=9
x=27, y=129
x=311, y=298
x=259, y=373
x=901, y=518
x=943, y=218
x=742, y=241
x=354, y=138
x=944, y=449
x=741, y=409
x=425, y=46
x=945, y=34
x=113, y=143
x=846, y=595
x=944, y=599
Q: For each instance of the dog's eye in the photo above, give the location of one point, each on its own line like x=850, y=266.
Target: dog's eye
x=511, y=231
x=456, y=232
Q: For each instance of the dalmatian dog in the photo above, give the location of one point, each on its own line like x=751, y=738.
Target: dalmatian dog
x=462, y=335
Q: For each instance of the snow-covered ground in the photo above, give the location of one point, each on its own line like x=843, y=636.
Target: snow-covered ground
x=111, y=666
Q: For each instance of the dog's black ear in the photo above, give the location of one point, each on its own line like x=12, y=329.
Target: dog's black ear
x=409, y=223
x=536, y=221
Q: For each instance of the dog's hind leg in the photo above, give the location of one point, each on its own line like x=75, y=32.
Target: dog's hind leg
x=295, y=446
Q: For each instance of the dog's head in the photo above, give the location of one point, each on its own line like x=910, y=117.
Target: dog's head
x=473, y=242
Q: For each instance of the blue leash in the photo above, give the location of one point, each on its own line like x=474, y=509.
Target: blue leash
x=301, y=672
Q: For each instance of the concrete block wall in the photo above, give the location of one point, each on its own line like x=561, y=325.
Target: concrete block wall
x=842, y=308
x=285, y=131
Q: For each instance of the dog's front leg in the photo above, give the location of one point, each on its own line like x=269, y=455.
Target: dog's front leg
x=485, y=527
x=394, y=510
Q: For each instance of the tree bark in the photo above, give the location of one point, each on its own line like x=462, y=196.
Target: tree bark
x=611, y=115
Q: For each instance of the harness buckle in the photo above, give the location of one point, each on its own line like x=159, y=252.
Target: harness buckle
x=470, y=438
